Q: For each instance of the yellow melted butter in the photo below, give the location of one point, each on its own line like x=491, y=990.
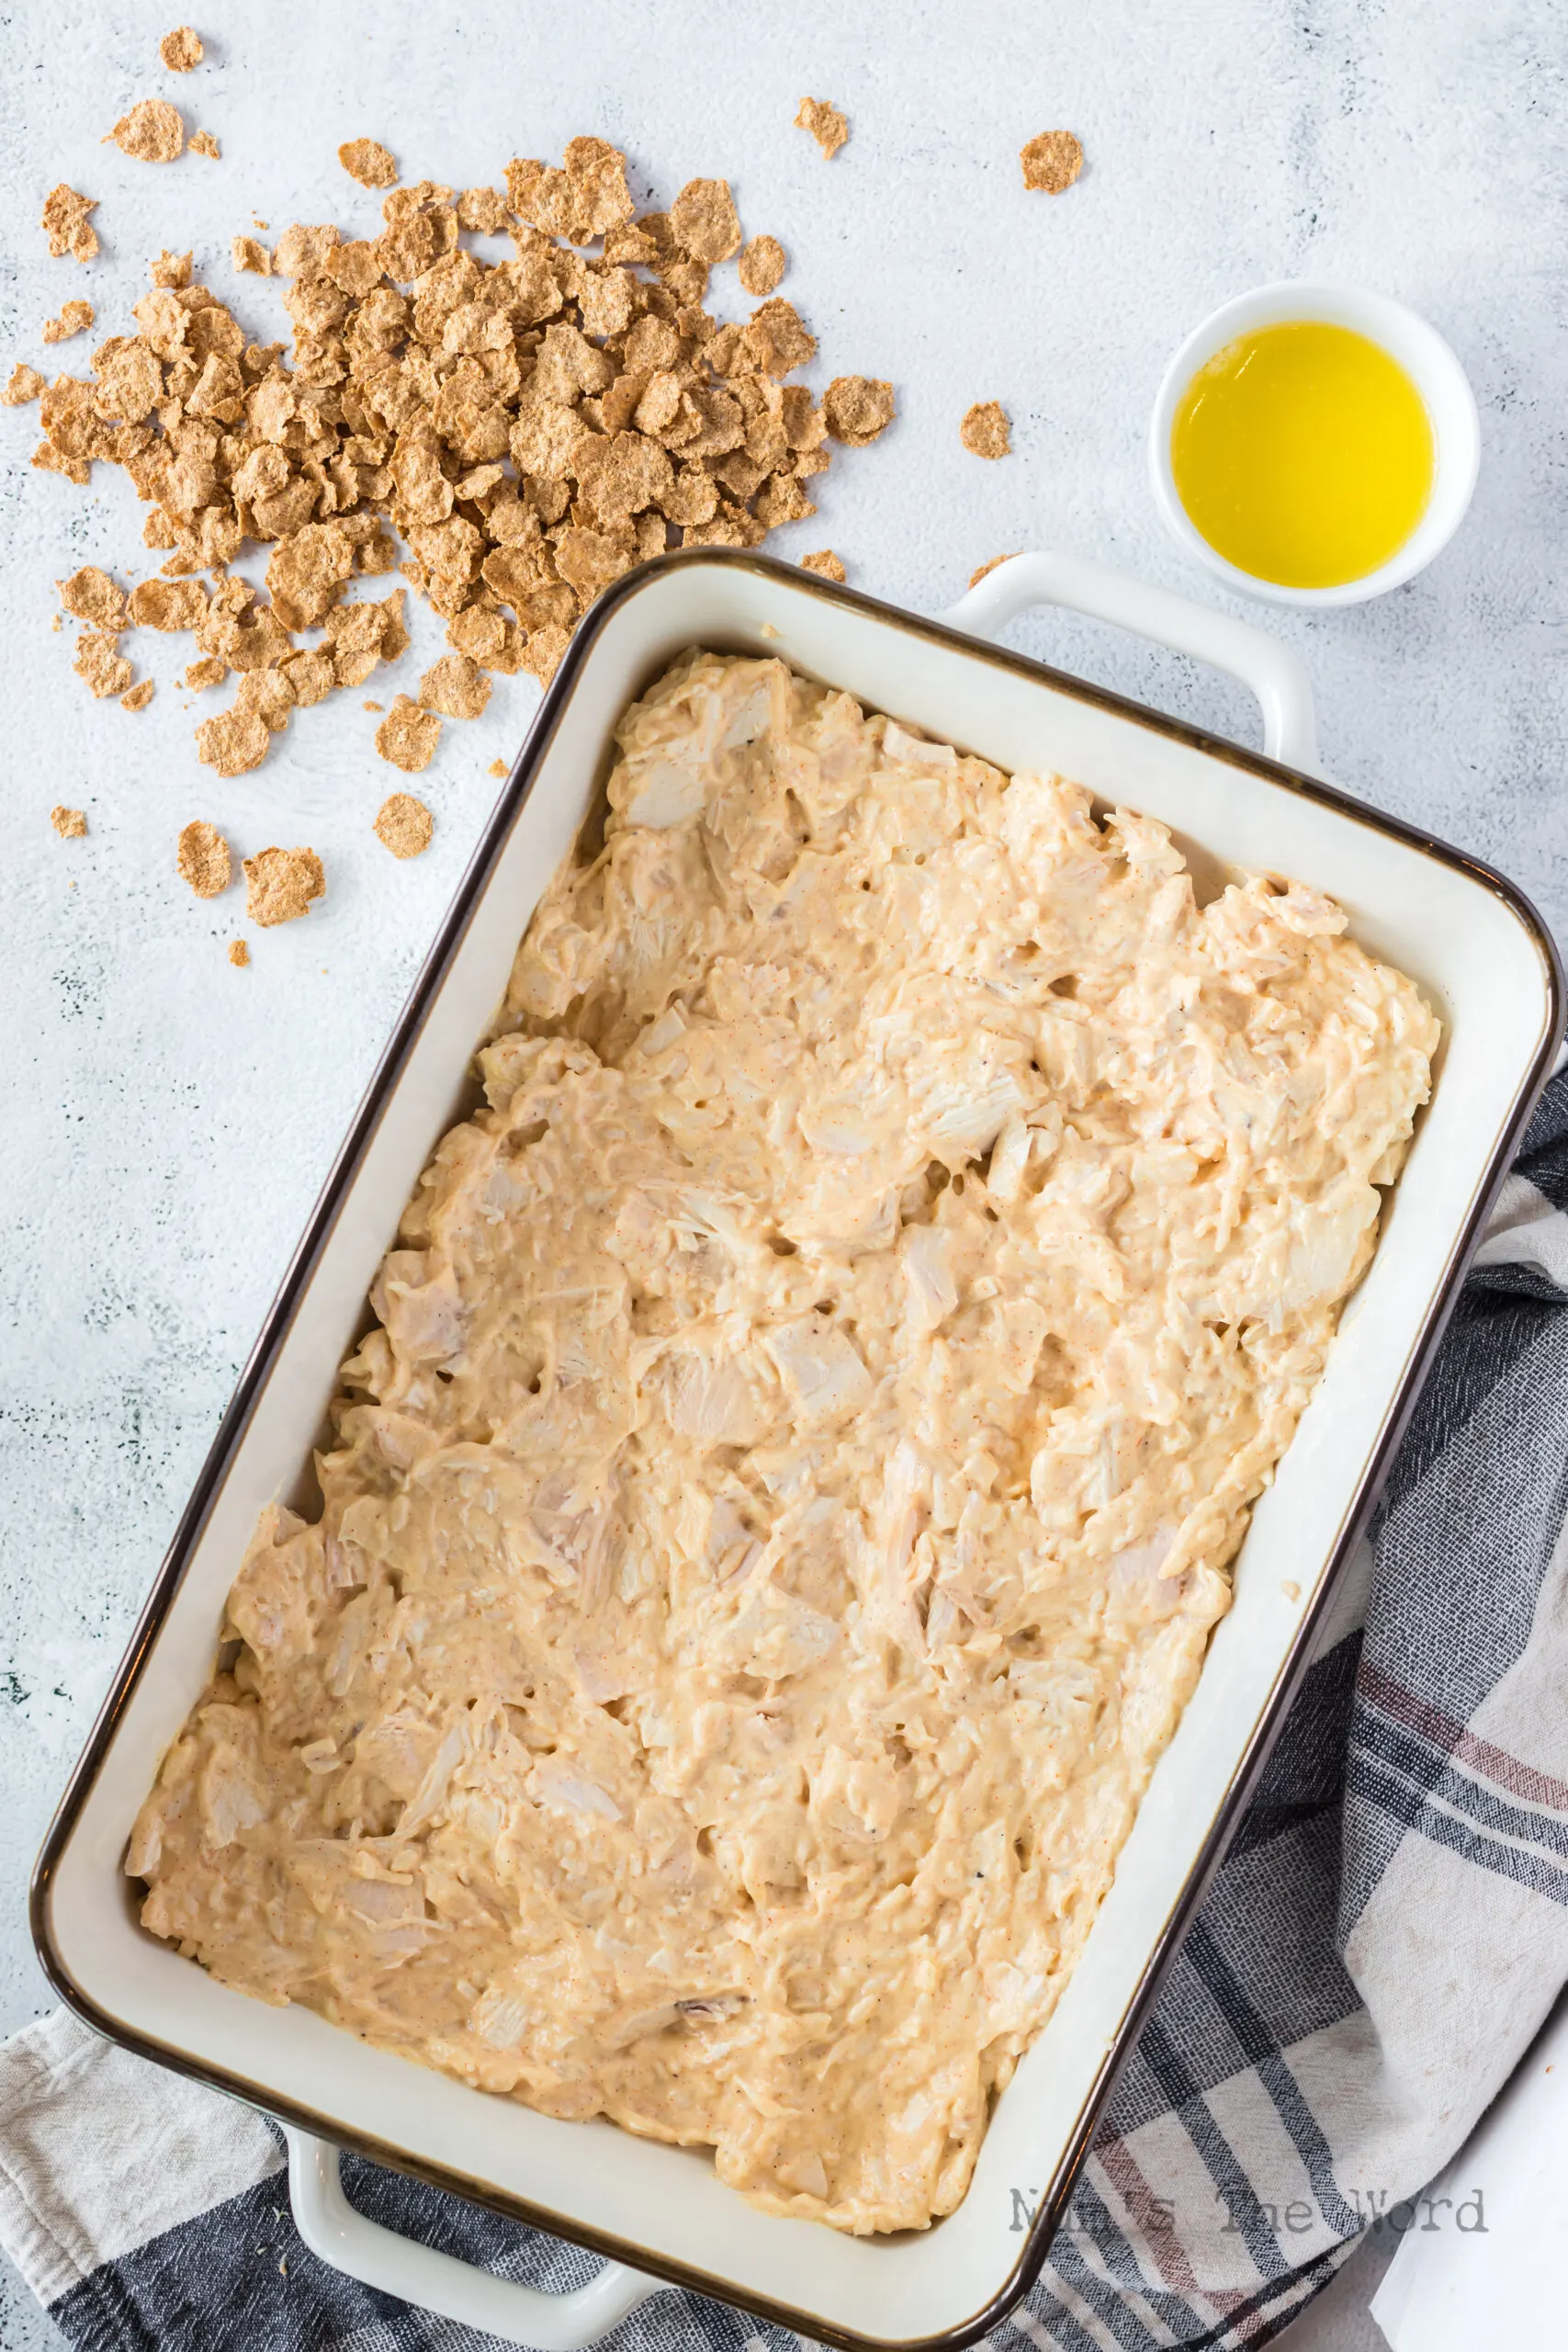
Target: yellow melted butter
x=1303, y=454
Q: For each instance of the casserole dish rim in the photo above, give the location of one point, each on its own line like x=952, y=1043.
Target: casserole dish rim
x=1294, y=1658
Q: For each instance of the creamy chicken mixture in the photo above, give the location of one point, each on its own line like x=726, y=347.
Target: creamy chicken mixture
x=778, y=1517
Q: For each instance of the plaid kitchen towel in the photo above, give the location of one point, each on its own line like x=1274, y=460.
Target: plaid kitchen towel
x=1388, y=1931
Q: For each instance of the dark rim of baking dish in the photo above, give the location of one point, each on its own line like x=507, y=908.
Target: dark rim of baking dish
x=1054, y=2199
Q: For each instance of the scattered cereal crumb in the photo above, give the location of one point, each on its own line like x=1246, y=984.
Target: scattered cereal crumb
x=408, y=736
x=65, y=218
x=170, y=269
x=152, y=132
x=202, y=859
x=233, y=742
x=181, y=50
x=374, y=706
x=857, y=407
x=825, y=123
x=404, y=825
x=1052, y=162
x=825, y=561
x=762, y=266
x=977, y=576
x=100, y=663
x=984, y=430
x=68, y=823
x=455, y=687
x=367, y=161
x=74, y=318
x=24, y=384
x=91, y=595
x=239, y=953
x=208, y=671
x=138, y=697
x=202, y=143
x=703, y=220
x=499, y=767
x=281, y=885
x=250, y=255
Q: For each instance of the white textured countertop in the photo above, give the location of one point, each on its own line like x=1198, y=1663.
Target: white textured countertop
x=169, y=1119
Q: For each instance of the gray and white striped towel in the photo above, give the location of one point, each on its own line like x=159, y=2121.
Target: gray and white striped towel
x=1388, y=1931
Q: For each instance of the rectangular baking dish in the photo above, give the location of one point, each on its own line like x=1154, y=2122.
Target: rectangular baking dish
x=1490, y=969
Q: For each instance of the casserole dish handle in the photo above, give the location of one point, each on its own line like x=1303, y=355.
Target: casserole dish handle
x=1272, y=670
x=418, y=2274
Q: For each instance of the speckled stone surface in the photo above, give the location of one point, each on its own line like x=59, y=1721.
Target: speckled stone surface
x=168, y=1119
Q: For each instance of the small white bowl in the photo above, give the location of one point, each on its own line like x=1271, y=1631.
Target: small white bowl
x=1426, y=360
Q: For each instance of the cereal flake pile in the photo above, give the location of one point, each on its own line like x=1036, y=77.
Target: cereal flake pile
x=529, y=428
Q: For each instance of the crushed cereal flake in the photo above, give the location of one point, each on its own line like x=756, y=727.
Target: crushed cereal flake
x=857, y=407
x=825, y=561
x=367, y=161
x=202, y=143
x=100, y=663
x=1052, y=162
x=68, y=823
x=455, y=687
x=203, y=860
x=250, y=255
x=170, y=269
x=373, y=705
x=408, y=736
x=498, y=767
x=138, y=697
x=281, y=884
x=207, y=672
x=65, y=220
x=74, y=318
x=181, y=50
x=152, y=132
x=404, y=825
x=761, y=267
x=23, y=384
x=239, y=953
x=91, y=595
x=985, y=431
x=825, y=123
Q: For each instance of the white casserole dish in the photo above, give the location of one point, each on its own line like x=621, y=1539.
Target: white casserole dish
x=1489, y=967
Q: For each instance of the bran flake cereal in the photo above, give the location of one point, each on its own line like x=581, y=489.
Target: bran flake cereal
x=66, y=224
x=404, y=825
x=825, y=123
x=281, y=884
x=239, y=953
x=181, y=50
x=823, y=561
x=761, y=267
x=408, y=736
x=367, y=161
x=74, y=318
x=68, y=823
x=984, y=431
x=1052, y=162
x=202, y=859
x=152, y=132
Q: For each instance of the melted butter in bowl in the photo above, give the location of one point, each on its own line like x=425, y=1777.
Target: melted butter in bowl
x=778, y=1517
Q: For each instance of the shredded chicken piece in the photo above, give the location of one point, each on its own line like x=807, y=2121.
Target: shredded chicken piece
x=778, y=1518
